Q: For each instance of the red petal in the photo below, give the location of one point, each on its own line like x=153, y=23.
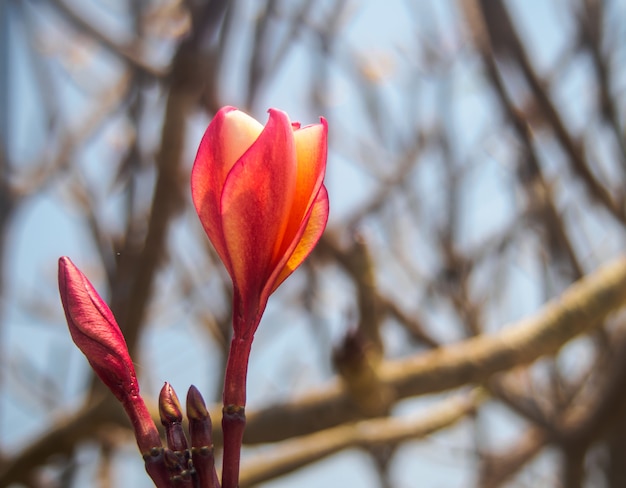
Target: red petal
x=229, y=135
x=256, y=203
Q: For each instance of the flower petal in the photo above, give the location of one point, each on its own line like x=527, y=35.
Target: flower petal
x=310, y=235
x=256, y=200
x=229, y=135
x=311, y=150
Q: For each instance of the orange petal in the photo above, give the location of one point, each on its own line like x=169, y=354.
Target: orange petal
x=311, y=233
x=229, y=135
x=255, y=205
x=311, y=150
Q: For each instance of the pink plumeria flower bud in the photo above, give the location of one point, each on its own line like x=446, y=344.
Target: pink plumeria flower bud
x=96, y=333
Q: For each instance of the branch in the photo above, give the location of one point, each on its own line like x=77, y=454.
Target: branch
x=497, y=469
x=580, y=309
x=293, y=454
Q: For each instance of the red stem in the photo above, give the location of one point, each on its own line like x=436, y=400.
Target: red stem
x=148, y=440
x=234, y=417
x=146, y=433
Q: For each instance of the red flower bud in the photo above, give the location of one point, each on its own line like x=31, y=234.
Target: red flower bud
x=260, y=196
x=95, y=331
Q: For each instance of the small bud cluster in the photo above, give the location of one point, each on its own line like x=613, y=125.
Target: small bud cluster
x=188, y=466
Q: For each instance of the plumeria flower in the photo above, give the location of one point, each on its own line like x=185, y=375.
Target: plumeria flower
x=260, y=196
x=259, y=192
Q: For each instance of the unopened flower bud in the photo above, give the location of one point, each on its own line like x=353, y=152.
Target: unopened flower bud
x=200, y=430
x=95, y=331
x=171, y=417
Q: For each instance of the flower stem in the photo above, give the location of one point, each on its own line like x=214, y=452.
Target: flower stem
x=148, y=439
x=234, y=417
x=154, y=462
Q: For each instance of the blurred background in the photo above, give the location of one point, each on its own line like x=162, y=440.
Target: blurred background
x=476, y=169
